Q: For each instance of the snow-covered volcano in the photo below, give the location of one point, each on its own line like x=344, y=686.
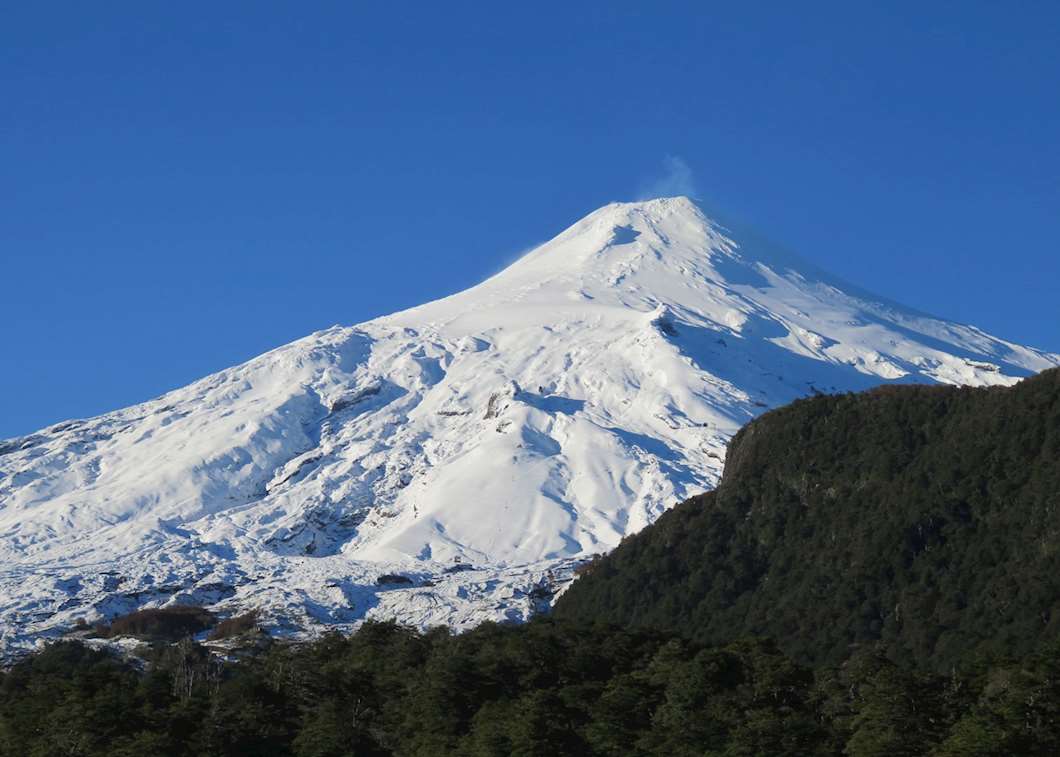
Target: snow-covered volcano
x=471, y=449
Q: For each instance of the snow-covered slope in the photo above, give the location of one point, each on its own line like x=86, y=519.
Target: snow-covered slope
x=478, y=445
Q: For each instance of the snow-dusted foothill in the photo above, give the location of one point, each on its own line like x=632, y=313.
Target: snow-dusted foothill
x=452, y=463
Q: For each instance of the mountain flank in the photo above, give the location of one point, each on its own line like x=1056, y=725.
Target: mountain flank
x=937, y=502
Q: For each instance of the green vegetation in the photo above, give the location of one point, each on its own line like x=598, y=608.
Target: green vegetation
x=548, y=688
x=160, y=624
x=922, y=521
x=235, y=626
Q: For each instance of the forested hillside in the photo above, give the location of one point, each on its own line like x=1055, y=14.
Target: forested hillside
x=922, y=520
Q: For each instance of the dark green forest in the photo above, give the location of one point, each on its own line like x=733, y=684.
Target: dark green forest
x=547, y=688
x=877, y=574
x=920, y=520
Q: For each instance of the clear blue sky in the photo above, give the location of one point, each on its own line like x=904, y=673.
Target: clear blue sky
x=185, y=185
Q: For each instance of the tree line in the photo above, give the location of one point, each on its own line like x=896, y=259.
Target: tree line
x=547, y=688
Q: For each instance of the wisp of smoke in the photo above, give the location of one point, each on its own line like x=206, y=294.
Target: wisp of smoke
x=676, y=180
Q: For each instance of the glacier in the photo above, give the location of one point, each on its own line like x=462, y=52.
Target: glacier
x=454, y=463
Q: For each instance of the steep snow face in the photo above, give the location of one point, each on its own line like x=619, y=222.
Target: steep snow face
x=479, y=445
